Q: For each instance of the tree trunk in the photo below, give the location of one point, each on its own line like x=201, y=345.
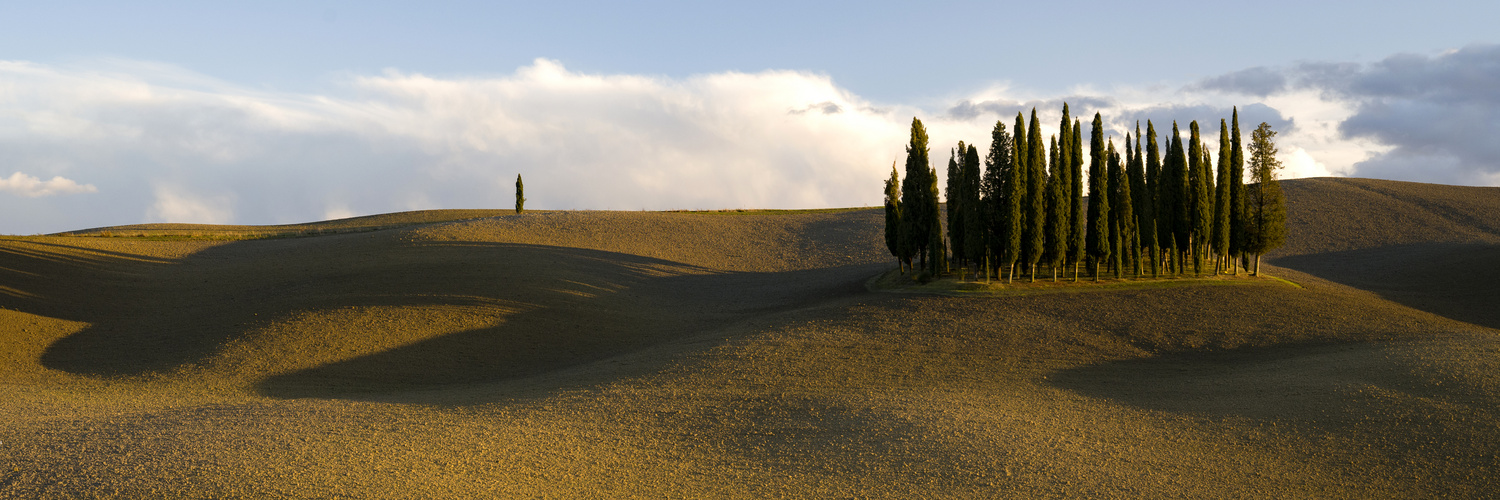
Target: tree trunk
x=1256, y=272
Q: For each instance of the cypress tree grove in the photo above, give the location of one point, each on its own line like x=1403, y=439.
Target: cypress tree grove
x=1221, y=202
x=954, y=195
x=520, y=195
x=914, y=219
x=1153, y=201
x=1057, y=210
x=973, y=219
x=893, y=217
x=1076, y=243
x=999, y=186
x=1098, y=215
x=1176, y=199
x=1139, y=200
x=1236, y=195
x=1266, y=221
x=1036, y=198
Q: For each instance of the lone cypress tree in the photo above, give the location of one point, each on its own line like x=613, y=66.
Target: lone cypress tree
x=1266, y=224
x=914, y=217
x=974, y=214
x=1221, y=202
x=520, y=195
x=1098, y=238
x=1236, y=195
x=893, y=217
x=1153, y=190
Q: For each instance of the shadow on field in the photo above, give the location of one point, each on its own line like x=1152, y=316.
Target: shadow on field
x=1327, y=386
x=556, y=307
x=1456, y=280
x=647, y=312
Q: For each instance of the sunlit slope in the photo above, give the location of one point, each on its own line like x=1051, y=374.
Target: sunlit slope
x=352, y=224
x=1335, y=214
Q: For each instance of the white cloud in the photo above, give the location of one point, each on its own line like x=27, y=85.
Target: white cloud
x=32, y=187
x=165, y=144
x=174, y=204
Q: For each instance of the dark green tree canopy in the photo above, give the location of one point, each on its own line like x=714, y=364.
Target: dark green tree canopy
x=520, y=195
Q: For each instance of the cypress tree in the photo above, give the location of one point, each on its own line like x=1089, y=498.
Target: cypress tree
x=520, y=195
x=999, y=187
x=954, y=195
x=1034, y=239
x=893, y=217
x=1021, y=157
x=1153, y=201
x=914, y=219
x=1177, y=200
x=935, y=249
x=1221, y=202
x=1199, y=198
x=1236, y=195
x=1063, y=171
x=973, y=218
x=1266, y=224
x=1057, y=210
x=1098, y=216
x=1206, y=203
x=1139, y=200
x=1118, y=207
x=1076, y=245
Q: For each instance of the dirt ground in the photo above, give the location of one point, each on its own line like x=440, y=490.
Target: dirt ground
x=650, y=354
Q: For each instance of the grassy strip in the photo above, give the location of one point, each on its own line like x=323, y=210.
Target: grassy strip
x=895, y=282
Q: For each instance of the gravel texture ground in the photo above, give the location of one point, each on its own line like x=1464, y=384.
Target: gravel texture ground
x=649, y=354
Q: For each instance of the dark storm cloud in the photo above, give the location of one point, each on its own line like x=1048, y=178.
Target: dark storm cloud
x=1259, y=81
x=1437, y=113
x=1440, y=114
x=1208, y=119
x=1007, y=109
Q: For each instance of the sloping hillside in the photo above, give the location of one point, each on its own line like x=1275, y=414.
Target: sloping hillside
x=619, y=354
x=1429, y=246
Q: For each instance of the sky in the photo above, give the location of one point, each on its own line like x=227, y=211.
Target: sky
x=285, y=112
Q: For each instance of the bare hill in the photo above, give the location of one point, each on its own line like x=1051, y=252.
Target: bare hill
x=623, y=354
